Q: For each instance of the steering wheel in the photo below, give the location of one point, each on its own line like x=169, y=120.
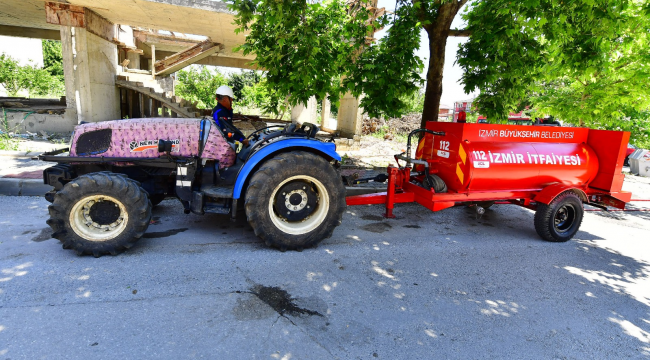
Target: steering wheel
x=256, y=134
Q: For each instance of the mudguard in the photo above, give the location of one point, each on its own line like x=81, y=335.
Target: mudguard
x=552, y=191
x=327, y=150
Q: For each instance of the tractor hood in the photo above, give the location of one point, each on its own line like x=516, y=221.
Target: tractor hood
x=138, y=138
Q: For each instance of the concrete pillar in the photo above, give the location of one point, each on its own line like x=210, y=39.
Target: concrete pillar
x=302, y=113
x=90, y=65
x=325, y=114
x=350, y=115
x=134, y=60
x=67, y=52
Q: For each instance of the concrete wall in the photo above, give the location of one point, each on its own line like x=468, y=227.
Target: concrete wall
x=23, y=121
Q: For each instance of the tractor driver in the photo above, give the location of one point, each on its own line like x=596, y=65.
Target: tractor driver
x=222, y=115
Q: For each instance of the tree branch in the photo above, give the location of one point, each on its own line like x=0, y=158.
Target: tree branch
x=460, y=33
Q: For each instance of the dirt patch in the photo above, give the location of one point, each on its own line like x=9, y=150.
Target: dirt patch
x=44, y=234
x=378, y=228
x=412, y=226
x=280, y=301
x=163, y=234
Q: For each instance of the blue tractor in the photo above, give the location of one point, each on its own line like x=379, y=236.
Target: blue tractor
x=287, y=180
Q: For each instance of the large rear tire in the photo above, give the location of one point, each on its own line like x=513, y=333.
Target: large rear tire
x=560, y=220
x=295, y=200
x=100, y=213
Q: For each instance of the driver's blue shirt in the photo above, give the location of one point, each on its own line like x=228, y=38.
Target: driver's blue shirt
x=223, y=119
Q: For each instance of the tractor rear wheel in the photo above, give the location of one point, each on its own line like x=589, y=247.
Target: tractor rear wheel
x=295, y=200
x=100, y=213
x=560, y=220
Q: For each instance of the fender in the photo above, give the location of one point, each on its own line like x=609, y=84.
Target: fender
x=325, y=149
x=552, y=191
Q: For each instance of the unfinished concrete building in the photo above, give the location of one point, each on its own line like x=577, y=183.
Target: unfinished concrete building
x=118, y=55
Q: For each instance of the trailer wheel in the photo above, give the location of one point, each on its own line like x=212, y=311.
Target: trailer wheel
x=100, y=213
x=560, y=220
x=295, y=200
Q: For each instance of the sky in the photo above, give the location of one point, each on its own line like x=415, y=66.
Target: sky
x=452, y=89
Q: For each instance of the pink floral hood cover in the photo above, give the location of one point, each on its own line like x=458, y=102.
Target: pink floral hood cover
x=138, y=138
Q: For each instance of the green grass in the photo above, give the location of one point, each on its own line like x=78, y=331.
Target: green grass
x=8, y=143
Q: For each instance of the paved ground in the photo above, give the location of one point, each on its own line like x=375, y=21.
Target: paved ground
x=424, y=285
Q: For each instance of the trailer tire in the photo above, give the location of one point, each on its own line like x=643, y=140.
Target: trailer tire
x=434, y=182
x=295, y=200
x=560, y=220
x=100, y=213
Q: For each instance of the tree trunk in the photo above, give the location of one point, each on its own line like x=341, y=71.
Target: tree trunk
x=438, y=32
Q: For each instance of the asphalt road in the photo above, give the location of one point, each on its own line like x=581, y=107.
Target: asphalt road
x=425, y=285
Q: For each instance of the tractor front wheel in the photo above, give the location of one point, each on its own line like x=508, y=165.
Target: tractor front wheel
x=560, y=220
x=100, y=213
x=295, y=200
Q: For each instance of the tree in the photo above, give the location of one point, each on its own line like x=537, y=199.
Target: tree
x=52, y=57
x=321, y=49
x=519, y=52
x=36, y=81
x=239, y=81
x=198, y=84
x=9, y=74
x=583, y=62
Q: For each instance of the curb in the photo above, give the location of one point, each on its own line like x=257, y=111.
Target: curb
x=23, y=187
x=19, y=154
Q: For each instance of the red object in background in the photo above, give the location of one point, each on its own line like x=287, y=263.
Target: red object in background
x=462, y=117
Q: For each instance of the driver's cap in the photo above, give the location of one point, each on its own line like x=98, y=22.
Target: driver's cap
x=225, y=90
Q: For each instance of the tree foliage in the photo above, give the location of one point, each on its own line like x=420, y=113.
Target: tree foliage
x=585, y=62
x=239, y=81
x=304, y=47
x=316, y=49
x=53, y=57
x=199, y=84
x=251, y=90
x=321, y=49
x=36, y=81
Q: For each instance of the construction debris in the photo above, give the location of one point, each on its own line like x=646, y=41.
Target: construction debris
x=403, y=125
x=10, y=104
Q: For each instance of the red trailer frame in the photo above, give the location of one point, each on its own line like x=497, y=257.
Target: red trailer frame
x=599, y=186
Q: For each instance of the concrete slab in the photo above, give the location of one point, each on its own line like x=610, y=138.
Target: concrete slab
x=33, y=187
x=23, y=187
x=426, y=285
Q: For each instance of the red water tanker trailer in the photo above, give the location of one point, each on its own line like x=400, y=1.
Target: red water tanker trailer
x=552, y=170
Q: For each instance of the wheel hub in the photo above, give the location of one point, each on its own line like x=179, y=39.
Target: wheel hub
x=98, y=217
x=564, y=218
x=296, y=201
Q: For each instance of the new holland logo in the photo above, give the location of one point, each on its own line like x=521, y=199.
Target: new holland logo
x=139, y=146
